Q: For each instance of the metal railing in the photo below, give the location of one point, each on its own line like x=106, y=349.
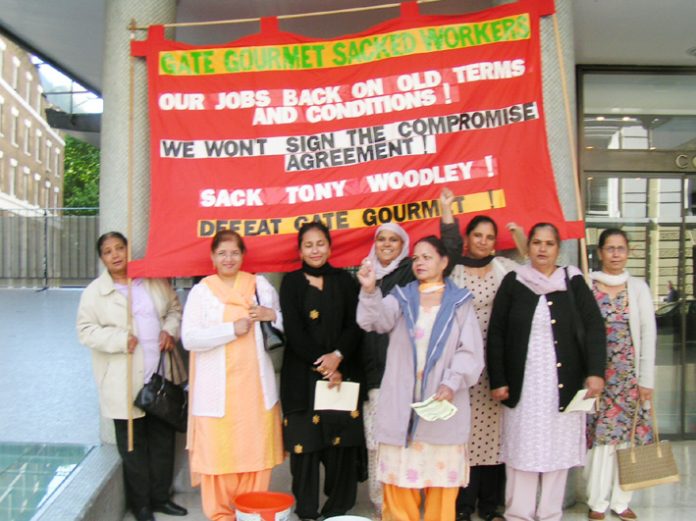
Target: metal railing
x=51, y=247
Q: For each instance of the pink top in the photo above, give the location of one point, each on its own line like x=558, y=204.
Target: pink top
x=147, y=325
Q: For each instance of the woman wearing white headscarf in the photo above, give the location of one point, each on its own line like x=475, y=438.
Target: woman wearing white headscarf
x=390, y=257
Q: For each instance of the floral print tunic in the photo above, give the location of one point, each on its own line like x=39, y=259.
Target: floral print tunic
x=423, y=465
x=612, y=424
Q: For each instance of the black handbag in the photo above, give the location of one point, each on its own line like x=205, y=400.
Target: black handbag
x=273, y=337
x=163, y=398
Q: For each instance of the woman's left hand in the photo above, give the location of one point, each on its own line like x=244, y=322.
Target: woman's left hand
x=327, y=364
x=444, y=393
x=646, y=394
x=166, y=341
x=594, y=385
x=261, y=314
x=335, y=379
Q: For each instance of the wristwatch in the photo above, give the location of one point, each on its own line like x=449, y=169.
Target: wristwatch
x=338, y=354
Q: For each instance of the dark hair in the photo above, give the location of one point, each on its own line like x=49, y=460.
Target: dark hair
x=224, y=236
x=608, y=233
x=439, y=246
x=110, y=235
x=312, y=225
x=479, y=219
x=537, y=226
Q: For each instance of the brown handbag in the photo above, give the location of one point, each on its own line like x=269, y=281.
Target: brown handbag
x=646, y=465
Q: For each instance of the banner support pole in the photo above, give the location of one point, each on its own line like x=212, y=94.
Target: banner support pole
x=571, y=143
x=289, y=16
x=129, y=233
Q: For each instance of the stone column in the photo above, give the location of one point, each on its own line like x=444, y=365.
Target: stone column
x=114, y=146
x=560, y=147
x=113, y=186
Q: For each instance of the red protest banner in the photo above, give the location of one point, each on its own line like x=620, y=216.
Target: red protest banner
x=276, y=129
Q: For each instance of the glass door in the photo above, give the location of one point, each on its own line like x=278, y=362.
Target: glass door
x=657, y=213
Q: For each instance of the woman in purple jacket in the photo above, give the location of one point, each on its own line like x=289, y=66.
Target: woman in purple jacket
x=435, y=351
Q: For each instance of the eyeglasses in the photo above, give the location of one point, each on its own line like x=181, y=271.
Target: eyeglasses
x=228, y=254
x=621, y=250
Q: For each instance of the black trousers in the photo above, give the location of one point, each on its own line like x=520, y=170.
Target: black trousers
x=147, y=470
x=340, y=481
x=486, y=486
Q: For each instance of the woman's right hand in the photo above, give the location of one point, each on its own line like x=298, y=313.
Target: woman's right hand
x=446, y=200
x=242, y=326
x=501, y=393
x=132, y=342
x=367, y=276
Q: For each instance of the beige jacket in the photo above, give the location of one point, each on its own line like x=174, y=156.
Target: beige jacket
x=102, y=326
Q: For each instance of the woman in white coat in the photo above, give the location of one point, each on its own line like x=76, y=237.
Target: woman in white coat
x=102, y=325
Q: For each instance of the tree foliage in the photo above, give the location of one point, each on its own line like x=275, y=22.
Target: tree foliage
x=81, y=181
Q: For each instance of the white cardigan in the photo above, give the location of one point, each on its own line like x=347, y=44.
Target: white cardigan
x=641, y=318
x=204, y=332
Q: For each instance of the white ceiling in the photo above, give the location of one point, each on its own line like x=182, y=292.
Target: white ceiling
x=68, y=33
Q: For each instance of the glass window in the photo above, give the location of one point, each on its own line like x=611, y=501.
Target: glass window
x=633, y=111
x=15, y=126
x=15, y=72
x=12, y=178
x=27, y=137
x=39, y=146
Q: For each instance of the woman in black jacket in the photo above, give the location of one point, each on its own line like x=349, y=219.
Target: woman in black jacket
x=318, y=303
x=390, y=257
x=546, y=341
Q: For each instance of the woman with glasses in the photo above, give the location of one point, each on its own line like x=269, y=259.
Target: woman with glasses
x=234, y=435
x=627, y=308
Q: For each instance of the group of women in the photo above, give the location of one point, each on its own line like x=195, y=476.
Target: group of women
x=507, y=345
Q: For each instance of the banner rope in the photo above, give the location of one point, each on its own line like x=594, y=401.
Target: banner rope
x=571, y=142
x=288, y=16
x=129, y=252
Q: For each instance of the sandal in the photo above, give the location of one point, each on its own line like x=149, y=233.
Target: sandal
x=626, y=515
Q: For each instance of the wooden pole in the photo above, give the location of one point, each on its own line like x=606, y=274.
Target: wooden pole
x=290, y=16
x=129, y=233
x=571, y=143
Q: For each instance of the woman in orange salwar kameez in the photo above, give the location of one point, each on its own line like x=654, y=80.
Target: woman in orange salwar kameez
x=234, y=435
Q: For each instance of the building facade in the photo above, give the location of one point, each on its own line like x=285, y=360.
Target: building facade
x=31, y=152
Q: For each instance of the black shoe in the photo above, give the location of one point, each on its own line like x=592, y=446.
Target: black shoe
x=463, y=516
x=144, y=514
x=170, y=508
x=492, y=516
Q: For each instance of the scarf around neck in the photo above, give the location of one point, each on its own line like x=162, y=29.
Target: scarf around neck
x=540, y=284
x=610, y=280
x=470, y=262
x=324, y=269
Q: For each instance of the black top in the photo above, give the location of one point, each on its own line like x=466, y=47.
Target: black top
x=374, y=345
x=509, y=330
x=316, y=322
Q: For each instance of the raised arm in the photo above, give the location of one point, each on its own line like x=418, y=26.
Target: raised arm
x=449, y=226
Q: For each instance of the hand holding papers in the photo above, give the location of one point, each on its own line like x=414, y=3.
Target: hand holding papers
x=431, y=409
x=581, y=404
x=341, y=398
